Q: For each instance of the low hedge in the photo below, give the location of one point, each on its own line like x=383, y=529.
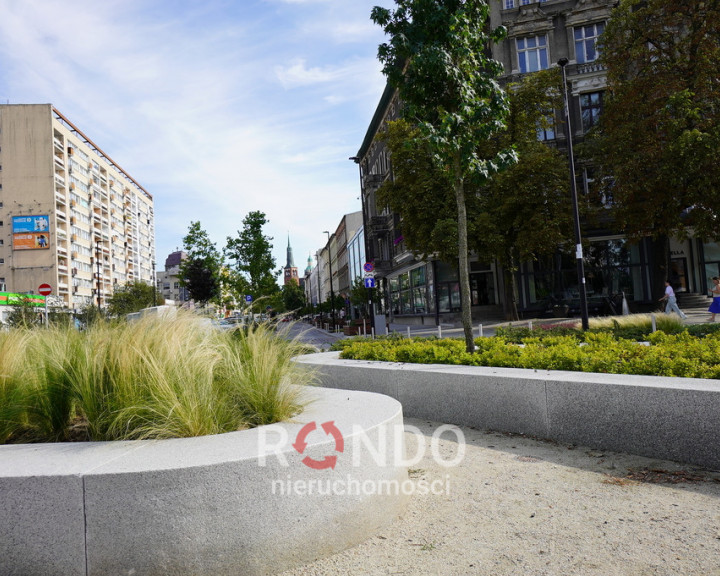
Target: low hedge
x=682, y=354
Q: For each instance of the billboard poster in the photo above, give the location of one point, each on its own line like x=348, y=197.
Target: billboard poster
x=12, y=299
x=31, y=232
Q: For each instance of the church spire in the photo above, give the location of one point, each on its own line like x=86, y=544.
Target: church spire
x=291, y=273
x=290, y=260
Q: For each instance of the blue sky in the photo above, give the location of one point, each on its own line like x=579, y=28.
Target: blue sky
x=217, y=107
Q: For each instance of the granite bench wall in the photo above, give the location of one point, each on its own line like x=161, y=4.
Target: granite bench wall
x=659, y=417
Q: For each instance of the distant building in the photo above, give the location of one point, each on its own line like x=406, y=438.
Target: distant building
x=290, y=272
x=168, y=280
x=70, y=217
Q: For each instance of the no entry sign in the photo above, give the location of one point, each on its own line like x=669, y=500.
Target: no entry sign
x=45, y=289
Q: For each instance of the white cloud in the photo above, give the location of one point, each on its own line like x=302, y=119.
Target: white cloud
x=217, y=108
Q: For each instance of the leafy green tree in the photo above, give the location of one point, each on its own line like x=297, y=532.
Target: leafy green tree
x=251, y=253
x=133, y=297
x=361, y=297
x=519, y=214
x=25, y=314
x=659, y=132
x=437, y=58
x=89, y=315
x=201, y=280
x=293, y=297
x=201, y=272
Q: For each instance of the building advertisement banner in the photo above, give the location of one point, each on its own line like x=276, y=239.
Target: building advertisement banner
x=12, y=299
x=31, y=232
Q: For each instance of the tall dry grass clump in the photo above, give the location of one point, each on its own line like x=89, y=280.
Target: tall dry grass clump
x=154, y=378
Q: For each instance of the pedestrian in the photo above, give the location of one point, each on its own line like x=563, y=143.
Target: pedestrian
x=671, y=301
x=715, y=292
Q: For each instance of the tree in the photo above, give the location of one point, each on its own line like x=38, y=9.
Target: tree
x=251, y=252
x=133, y=297
x=25, y=314
x=437, y=58
x=200, y=273
x=659, y=132
x=517, y=215
x=201, y=280
x=361, y=296
x=293, y=297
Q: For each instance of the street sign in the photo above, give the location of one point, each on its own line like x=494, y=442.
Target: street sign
x=248, y=298
x=369, y=282
x=368, y=266
x=45, y=289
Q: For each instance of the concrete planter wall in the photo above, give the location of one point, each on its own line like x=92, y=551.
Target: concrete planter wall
x=670, y=418
x=198, y=506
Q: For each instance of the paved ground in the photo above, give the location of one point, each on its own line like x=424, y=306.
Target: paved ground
x=322, y=339
x=519, y=506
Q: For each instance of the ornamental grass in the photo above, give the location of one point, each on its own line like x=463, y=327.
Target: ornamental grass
x=153, y=378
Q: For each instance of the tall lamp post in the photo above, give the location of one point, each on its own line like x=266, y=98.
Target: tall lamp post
x=366, y=230
x=573, y=190
x=332, y=292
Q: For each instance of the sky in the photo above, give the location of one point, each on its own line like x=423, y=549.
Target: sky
x=216, y=107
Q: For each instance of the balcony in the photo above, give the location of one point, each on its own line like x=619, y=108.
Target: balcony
x=59, y=181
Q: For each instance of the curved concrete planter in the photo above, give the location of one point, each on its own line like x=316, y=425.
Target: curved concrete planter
x=655, y=416
x=205, y=505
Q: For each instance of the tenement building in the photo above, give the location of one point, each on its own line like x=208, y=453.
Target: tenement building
x=423, y=291
x=70, y=216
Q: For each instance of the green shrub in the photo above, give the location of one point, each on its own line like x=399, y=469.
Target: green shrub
x=681, y=354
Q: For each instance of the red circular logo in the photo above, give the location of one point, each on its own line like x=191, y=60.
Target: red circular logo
x=45, y=289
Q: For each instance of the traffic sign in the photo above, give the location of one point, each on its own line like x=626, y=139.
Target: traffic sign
x=45, y=289
x=368, y=266
x=369, y=282
x=248, y=298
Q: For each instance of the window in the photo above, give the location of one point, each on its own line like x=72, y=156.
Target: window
x=532, y=53
x=591, y=107
x=546, y=129
x=586, y=38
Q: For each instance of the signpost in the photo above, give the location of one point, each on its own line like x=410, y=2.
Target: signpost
x=45, y=290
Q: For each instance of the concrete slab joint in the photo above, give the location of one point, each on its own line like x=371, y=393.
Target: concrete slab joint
x=237, y=503
x=654, y=416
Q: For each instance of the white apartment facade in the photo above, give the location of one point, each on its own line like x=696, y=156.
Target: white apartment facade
x=70, y=216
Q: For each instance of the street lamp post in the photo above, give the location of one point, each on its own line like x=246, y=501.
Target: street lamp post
x=366, y=230
x=573, y=190
x=332, y=292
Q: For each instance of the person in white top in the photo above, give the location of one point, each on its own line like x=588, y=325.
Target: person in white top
x=671, y=301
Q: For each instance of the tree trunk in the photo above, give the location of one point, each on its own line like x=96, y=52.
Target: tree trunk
x=510, y=291
x=659, y=266
x=463, y=267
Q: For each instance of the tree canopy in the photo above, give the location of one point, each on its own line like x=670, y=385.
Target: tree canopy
x=251, y=252
x=200, y=273
x=517, y=215
x=133, y=297
x=657, y=139
x=436, y=57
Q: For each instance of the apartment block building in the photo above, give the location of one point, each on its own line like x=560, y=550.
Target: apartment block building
x=70, y=216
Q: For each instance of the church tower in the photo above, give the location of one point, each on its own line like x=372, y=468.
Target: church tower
x=290, y=271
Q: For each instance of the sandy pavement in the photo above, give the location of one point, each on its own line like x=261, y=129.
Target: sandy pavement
x=520, y=506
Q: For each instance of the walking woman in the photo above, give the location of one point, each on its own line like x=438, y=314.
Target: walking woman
x=715, y=291
x=671, y=301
